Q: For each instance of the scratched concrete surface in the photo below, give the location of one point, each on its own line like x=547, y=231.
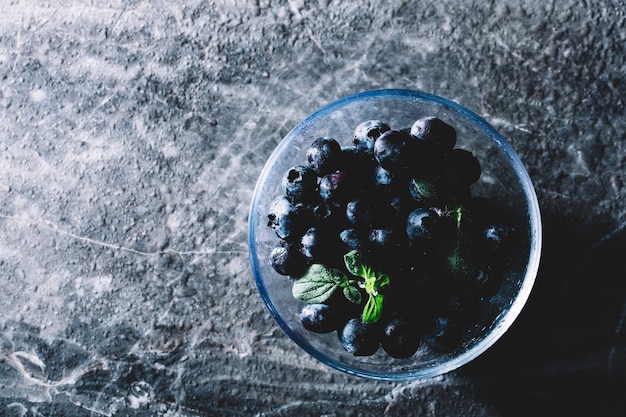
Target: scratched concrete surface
x=131, y=137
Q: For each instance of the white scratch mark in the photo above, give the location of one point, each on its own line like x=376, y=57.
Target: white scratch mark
x=610, y=235
x=618, y=330
x=53, y=226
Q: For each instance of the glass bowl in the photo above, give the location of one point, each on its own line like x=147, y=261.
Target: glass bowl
x=504, y=179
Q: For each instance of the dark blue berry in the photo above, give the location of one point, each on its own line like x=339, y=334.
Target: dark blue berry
x=443, y=335
x=323, y=155
x=300, y=184
x=436, y=132
x=357, y=163
x=400, y=338
x=385, y=241
x=336, y=187
x=320, y=318
x=360, y=338
x=463, y=306
x=353, y=239
x=286, y=259
x=368, y=212
x=382, y=177
x=497, y=238
x=487, y=279
x=328, y=215
x=482, y=209
x=464, y=166
x=318, y=246
x=366, y=134
x=287, y=220
x=393, y=151
x=421, y=224
x=401, y=205
x=389, y=182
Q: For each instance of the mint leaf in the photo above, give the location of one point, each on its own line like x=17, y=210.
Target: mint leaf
x=352, y=294
x=317, y=284
x=381, y=281
x=354, y=264
x=373, y=309
x=313, y=292
x=372, y=283
x=424, y=189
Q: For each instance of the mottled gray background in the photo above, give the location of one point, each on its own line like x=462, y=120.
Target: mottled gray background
x=131, y=137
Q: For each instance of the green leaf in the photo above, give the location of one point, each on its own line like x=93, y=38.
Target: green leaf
x=312, y=292
x=370, y=285
x=352, y=294
x=318, y=284
x=382, y=280
x=354, y=264
x=424, y=189
x=373, y=308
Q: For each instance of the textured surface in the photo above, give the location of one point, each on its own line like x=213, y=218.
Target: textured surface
x=131, y=137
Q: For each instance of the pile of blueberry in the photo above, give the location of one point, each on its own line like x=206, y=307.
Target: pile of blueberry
x=402, y=199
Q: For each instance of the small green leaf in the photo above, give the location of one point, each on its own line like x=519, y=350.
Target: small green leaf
x=312, y=292
x=318, y=284
x=382, y=280
x=352, y=294
x=370, y=285
x=354, y=264
x=423, y=189
x=373, y=309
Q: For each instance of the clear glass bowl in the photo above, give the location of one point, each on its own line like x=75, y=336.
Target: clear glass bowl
x=503, y=178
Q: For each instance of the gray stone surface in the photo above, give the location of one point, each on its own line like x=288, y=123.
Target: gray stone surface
x=131, y=137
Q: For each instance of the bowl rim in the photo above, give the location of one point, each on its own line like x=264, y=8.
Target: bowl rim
x=503, y=323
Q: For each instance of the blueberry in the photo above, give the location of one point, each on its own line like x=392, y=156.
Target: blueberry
x=353, y=239
x=318, y=246
x=482, y=209
x=336, y=187
x=497, y=237
x=356, y=162
x=487, y=279
x=320, y=318
x=328, y=215
x=465, y=166
x=400, y=339
x=389, y=182
x=286, y=259
x=300, y=184
x=422, y=224
x=392, y=150
x=366, y=134
x=360, y=338
x=323, y=155
x=384, y=241
x=417, y=290
x=401, y=205
x=287, y=220
x=383, y=177
x=436, y=132
x=463, y=306
x=367, y=212
x=443, y=335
